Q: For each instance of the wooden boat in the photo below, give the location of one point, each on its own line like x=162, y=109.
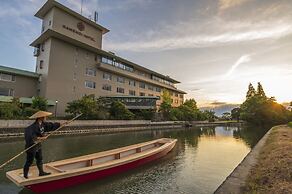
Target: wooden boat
x=74, y=171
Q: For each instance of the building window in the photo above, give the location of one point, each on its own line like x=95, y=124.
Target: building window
x=120, y=79
x=120, y=90
x=107, y=87
x=90, y=84
x=150, y=95
x=41, y=64
x=142, y=94
x=132, y=83
x=7, y=77
x=74, y=76
x=142, y=74
x=181, y=96
x=132, y=92
x=150, y=87
x=162, y=80
x=176, y=101
x=107, y=76
x=43, y=47
x=90, y=72
x=50, y=22
x=158, y=89
x=6, y=92
x=117, y=64
x=176, y=94
x=142, y=85
x=87, y=55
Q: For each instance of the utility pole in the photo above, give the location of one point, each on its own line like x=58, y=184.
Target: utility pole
x=81, y=6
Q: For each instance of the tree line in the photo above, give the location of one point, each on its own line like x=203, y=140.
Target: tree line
x=259, y=109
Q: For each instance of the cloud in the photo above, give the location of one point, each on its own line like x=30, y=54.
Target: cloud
x=241, y=60
x=232, y=33
x=225, y=4
x=217, y=103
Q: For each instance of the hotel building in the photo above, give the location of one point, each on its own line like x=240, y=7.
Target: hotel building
x=71, y=63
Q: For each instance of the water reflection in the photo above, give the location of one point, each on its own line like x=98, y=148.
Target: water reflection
x=201, y=160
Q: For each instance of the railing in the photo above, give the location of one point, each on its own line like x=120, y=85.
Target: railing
x=36, y=52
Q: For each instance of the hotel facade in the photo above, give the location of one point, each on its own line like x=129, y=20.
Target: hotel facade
x=71, y=63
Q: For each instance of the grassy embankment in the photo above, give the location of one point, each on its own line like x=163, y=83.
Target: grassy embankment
x=273, y=171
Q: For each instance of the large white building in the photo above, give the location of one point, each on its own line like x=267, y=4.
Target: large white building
x=71, y=63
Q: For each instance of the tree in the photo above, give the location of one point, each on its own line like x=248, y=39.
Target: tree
x=191, y=103
x=119, y=111
x=39, y=103
x=251, y=91
x=86, y=105
x=10, y=110
x=235, y=113
x=165, y=106
x=226, y=116
x=209, y=115
x=260, y=90
x=262, y=110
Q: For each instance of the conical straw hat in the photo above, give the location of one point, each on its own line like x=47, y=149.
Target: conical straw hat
x=40, y=114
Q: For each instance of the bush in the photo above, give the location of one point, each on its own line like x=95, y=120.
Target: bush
x=39, y=103
x=290, y=124
x=118, y=111
x=28, y=111
x=9, y=110
x=86, y=105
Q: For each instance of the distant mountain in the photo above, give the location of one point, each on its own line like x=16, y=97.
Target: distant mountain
x=220, y=109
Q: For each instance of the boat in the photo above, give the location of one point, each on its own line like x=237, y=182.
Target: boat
x=78, y=170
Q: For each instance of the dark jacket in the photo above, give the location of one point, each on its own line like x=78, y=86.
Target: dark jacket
x=35, y=130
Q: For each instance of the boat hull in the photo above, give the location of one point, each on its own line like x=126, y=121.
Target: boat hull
x=76, y=180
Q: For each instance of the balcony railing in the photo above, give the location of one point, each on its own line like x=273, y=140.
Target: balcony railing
x=36, y=52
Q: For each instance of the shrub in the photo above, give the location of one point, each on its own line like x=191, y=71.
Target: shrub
x=119, y=111
x=9, y=110
x=28, y=111
x=39, y=103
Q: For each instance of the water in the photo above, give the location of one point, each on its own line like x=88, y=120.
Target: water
x=202, y=158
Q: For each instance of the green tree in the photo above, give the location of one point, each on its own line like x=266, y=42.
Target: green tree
x=251, y=91
x=39, y=103
x=191, y=103
x=262, y=110
x=86, y=105
x=235, y=113
x=226, y=116
x=209, y=115
x=144, y=114
x=10, y=110
x=260, y=91
x=120, y=112
x=165, y=106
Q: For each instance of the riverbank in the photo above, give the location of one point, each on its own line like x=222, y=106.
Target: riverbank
x=273, y=171
x=267, y=168
x=15, y=128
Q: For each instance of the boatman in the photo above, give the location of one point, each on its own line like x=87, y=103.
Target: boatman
x=33, y=134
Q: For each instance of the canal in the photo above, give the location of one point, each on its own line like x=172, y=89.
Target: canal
x=201, y=160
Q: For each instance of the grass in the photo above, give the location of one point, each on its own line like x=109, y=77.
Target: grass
x=273, y=171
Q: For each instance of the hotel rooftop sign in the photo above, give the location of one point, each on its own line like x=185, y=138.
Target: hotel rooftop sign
x=81, y=27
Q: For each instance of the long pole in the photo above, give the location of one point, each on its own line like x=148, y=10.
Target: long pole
x=64, y=124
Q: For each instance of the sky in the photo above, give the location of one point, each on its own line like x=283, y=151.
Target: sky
x=215, y=48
